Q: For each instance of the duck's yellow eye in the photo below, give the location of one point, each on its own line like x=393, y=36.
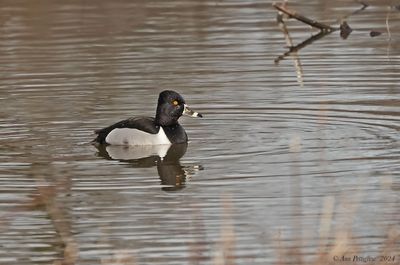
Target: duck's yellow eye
x=175, y=102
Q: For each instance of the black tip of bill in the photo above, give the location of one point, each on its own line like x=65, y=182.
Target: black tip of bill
x=192, y=113
x=197, y=115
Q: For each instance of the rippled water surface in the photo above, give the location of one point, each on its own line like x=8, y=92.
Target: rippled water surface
x=289, y=158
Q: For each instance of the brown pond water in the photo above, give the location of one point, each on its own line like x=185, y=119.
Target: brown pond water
x=285, y=160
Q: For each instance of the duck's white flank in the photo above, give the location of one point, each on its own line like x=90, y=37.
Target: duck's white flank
x=129, y=136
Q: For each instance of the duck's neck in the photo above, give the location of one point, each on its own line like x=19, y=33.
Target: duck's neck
x=164, y=120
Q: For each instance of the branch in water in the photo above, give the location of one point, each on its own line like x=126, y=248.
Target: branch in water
x=306, y=20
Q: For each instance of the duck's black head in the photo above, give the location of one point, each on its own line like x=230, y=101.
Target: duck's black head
x=170, y=107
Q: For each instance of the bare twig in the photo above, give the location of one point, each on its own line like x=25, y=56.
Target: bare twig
x=362, y=8
x=306, y=20
x=363, y=3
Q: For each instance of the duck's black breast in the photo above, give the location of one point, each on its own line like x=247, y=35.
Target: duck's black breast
x=145, y=124
x=175, y=133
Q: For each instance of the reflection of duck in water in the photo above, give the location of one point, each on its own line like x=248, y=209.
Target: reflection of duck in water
x=164, y=157
x=151, y=138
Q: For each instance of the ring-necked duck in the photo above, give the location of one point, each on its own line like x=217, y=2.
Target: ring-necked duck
x=163, y=129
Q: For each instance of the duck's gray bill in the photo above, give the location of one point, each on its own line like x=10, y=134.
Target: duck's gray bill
x=191, y=113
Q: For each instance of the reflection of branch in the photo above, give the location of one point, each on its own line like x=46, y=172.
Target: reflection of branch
x=284, y=29
x=387, y=25
x=389, y=35
x=302, y=45
x=306, y=20
x=289, y=43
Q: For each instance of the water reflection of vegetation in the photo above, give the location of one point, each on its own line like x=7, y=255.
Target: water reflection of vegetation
x=165, y=157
